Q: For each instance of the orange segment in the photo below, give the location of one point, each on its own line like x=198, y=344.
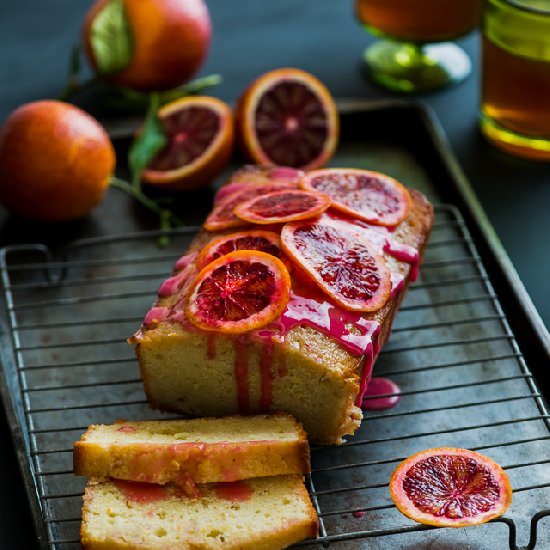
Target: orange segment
x=265, y=241
x=341, y=262
x=450, y=487
x=287, y=117
x=238, y=292
x=369, y=196
x=282, y=206
x=199, y=132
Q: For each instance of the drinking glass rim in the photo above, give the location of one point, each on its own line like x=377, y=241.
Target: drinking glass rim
x=532, y=9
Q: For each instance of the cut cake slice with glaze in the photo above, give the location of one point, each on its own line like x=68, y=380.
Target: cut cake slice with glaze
x=259, y=514
x=202, y=450
x=307, y=372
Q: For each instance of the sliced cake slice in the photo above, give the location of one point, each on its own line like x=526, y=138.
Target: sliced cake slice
x=258, y=514
x=202, y=450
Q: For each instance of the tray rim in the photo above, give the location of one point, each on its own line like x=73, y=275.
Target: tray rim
x=469, y=206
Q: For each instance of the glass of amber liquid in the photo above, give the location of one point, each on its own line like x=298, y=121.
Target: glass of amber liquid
x=515, y=100
x=415, y=53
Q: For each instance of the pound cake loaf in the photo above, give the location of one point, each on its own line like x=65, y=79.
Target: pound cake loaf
x=283, y=301
x=258, y=514
x=187, y=452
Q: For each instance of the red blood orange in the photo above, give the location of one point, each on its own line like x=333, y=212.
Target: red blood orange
x=342, y=263
x=450, y=487
x=265, y=241
x=169, y=41
x=238, y=292
x=199, y=133
x=369, y=196
x=287, y=117
x=223, y=216
x=282, y=206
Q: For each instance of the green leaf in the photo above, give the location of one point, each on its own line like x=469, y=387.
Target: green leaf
x=148, y=143
x=111, y=38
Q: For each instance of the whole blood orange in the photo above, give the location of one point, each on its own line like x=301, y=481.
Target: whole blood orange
x=282, y=206
x=287, y=117
x=238, y=292
x=265, y=241
x=341, y=262
x=450, y=487
x=199, y=136
x=369, y=196
x=169, y=40
x=55, y=161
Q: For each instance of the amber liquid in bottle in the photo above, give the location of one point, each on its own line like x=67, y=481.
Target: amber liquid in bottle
x=420, y=20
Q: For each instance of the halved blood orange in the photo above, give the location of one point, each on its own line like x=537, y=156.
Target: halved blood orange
x=341, y=262
x=265, y=241
x=369, y=196
x=199, y=132
x=287, y=117
x=450, y=487
x=238, y=292
x=282, y=206
x=223, y=216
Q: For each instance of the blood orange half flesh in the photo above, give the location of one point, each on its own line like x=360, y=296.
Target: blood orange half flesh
x=264, y=241
x=238, y=292
x=343, y=264
x=450, y=487
x=282, y=206
x=369, y=196
x=288, y=117
x=199, y=143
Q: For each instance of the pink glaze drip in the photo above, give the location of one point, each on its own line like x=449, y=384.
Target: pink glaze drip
x=155, y=315
x=234, y=491
x=173, y=284
x=282, y=370
x=211, y=345
x=358, y=514
x=142, y=493
x=241, y=373
x=382, y=393
x=266, y=374
x=185, y=261
x=126, y=429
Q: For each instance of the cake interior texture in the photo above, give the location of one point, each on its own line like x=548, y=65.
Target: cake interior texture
x=306, y=372
x=267, y=513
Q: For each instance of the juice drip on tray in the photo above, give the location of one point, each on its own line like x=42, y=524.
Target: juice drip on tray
x=382, y=393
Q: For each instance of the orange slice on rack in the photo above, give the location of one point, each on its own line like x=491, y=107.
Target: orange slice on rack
x=343, y=264
x=369, y=196
x=264, y=241
x=287, y=117
x=450, y=487
x=238, y=292
x=282, y=206
x=199, y=133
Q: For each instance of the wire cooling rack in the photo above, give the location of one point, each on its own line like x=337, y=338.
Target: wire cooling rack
x=464, y=383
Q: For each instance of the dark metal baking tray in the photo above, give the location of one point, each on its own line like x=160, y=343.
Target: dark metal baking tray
x=464, y=346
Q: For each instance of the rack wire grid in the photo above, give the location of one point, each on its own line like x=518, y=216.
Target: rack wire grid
x=464, y=383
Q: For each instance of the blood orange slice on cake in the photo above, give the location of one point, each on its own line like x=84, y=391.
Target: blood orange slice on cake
x=264, y=241
x=282, y=206
x=369, y=196
x=199, y=134
x=450, y=487
x=223, y=215
x=343, y=264
x=287, y=117
x=238, y=292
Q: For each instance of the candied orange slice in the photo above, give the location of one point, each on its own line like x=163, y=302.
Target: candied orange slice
x=450, y=487
x=341, y=262
x=287, y=117
x=265, y=241
x=238, y=292
x=282, y=206
x=369, y=196
x=199, y=134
